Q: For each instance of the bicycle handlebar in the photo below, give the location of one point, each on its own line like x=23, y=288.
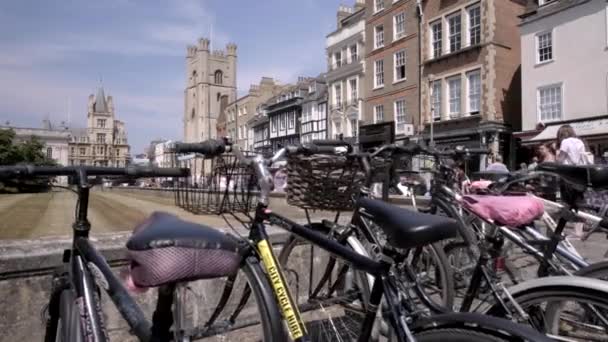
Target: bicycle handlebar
x=211, y=147
x=8, y=172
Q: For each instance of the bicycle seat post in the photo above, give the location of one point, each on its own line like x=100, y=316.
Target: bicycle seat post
x=81, y=224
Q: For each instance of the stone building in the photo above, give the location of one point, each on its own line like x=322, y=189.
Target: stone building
x=345, y=48
x=55, y=139
x=391, y=64
x=562, y=82
x=104, y=141
x=210, y=87
x=236, y=115
x=471, y=78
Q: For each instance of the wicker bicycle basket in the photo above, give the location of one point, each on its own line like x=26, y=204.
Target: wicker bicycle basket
x=323, y=182
x=218, y=185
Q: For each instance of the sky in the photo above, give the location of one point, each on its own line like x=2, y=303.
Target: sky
x=54, y=54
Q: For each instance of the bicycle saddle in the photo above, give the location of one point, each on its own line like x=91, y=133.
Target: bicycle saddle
x=595, y=176
x=406, y=228
x=165, y=249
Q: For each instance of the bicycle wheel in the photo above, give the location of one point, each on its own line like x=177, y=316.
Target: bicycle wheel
x=572, y=308
x=330, y=294
x=68, y=323
x=434, y=275
x=244, y=308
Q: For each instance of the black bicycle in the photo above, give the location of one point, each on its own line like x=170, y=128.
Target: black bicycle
x=323, y=321
x=167, y=252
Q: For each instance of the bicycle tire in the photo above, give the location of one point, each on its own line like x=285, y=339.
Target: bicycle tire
x=591, y=294
x=457, y=335
x=270, y=322
x=336, y=318
x=69, y=327
x=443, y=279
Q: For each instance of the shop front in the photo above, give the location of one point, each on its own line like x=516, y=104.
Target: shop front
x=593, y=131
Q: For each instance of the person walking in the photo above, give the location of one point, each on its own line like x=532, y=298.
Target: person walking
x=546, y=152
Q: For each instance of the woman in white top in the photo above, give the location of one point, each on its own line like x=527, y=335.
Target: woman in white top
x=571, y=149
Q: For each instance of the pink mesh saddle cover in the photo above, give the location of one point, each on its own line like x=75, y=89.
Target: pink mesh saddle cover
x=511, y=211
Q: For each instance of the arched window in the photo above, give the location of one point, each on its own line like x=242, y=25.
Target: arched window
x=218, y=76
x=192, y=116
x=194, y=75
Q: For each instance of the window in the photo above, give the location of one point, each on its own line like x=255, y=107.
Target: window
x=292, y=120
x=399, y=65
x=101, y=138
x=117, y=152
x=436, y=99
x=378, y=113
x=544, y=43
x=436, y=38
x=474, y=89
x=354, y=96
x=338, y=59
x=338, y=94
x=337, y=128
x=400, y=118
x=378, y=36
x=83, y=151
x=219, y=76
x=378, y=5
x=354, y=126
x=550, y=103
x=101, y=123
x=474, y=25
x=454, y=26
x=283, y=121
x=454, y=92
x=353, y=53
x=72, y=150
x=321, y=111
x=100, y=149
x=399, y=25
x=378, y=73
x=49, y=153
x=274, y=124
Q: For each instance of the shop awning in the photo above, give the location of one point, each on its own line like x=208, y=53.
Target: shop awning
x=586, y=128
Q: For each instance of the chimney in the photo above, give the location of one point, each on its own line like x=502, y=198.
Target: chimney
x=343, y=12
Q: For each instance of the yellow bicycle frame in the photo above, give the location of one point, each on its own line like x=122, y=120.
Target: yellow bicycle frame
x=291, y=314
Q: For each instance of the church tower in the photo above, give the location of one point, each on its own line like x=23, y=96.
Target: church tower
x=210, y=86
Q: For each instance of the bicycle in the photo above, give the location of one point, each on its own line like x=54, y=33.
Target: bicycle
x=404, y=325
x=512, y=302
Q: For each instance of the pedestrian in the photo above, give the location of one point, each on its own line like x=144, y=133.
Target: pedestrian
x=497, y=165
x=546, y=152
x=571, y=151
x=571, y=148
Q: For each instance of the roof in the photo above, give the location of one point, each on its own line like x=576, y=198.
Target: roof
x=100, y=105
x=535, y=12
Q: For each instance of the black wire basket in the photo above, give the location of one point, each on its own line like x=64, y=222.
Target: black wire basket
x=219, y=185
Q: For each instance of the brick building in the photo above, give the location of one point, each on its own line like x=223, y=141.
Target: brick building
x=391, y=64
x=471, y=73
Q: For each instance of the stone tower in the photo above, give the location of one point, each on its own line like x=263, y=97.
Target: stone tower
x=210, y=86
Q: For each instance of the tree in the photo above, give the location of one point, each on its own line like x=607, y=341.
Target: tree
x=29, y=151
x=26, y=152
